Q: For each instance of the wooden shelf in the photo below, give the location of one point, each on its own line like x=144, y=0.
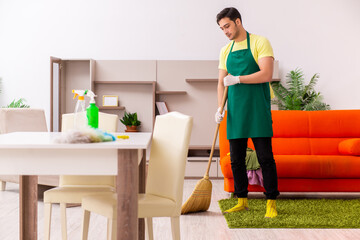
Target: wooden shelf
x=76, y=59
x=202, y=147
x=202, y=151
x=171, y=92
x=111, y=108
x=124, y=82
x=202, y=80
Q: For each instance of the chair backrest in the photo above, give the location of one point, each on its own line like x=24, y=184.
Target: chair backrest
x=168, y=156
x=22, y=120
x=107, y=122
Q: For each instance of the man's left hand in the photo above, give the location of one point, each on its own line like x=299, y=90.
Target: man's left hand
x=231, y=80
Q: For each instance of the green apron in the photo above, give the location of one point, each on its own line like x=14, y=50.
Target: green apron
x=249, y=112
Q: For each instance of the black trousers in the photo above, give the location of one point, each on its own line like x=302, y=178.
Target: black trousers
x=266, y=160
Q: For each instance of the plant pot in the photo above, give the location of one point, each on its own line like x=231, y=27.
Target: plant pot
x=131, y=129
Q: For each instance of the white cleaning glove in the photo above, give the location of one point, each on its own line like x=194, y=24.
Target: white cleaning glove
x=231, y=80
x=219, y=116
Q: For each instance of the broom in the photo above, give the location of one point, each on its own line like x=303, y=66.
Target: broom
x=201, y=197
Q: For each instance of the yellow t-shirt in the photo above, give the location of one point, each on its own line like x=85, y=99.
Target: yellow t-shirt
x=260, y=47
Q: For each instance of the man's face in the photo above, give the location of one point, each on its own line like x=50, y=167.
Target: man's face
x=230, y=28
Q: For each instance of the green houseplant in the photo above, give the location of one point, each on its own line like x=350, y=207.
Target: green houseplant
x=298, y=95
x=18, y=104
x=131, y=121
x=15, y=103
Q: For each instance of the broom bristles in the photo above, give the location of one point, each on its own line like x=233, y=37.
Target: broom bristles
x=200, y=199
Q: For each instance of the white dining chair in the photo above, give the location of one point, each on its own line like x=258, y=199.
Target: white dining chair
x=73, y=188
x=165, y=180
x=20, y=120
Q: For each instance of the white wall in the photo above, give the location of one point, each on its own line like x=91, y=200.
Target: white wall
x=319, y=36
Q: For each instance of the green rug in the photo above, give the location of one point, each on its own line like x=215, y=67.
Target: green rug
x=296, y=213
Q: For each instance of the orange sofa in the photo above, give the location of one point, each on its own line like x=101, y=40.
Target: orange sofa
x=314, y=151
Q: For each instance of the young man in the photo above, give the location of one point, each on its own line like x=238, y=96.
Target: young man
x=246, y=66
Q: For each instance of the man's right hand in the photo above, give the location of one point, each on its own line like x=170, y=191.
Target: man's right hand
x=219, y=116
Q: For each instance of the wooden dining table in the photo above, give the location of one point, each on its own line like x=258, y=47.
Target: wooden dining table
x=30, y=154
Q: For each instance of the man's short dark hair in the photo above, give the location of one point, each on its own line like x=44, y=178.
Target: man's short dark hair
x=231, y=13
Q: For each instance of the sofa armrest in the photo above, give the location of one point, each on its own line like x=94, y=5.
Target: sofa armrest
x=350, y=147
x=225, y=164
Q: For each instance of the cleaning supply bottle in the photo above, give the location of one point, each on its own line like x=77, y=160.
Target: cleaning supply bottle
x=79, y=112
x=92, y=111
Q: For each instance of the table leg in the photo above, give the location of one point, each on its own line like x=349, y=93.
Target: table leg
x=28, y=207
x=127, y=192
x=142, y=180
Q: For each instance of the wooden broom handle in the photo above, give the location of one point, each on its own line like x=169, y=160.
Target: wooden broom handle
x=216, y=133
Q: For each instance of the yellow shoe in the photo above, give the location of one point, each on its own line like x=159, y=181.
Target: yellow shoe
x=242, y=205
x=271, y=209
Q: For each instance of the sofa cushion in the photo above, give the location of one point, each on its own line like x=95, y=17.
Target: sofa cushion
x=350, y=147
x=325, y=146
x=300, y=124
x=334, y=123
x=317, y=166
x=308, y=166
x=304, y=146
x=291, y=146
x=288, y=124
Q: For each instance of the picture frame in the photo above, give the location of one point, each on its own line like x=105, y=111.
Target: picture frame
x=110, y=100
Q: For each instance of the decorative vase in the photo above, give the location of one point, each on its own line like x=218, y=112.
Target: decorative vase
x=131, y=129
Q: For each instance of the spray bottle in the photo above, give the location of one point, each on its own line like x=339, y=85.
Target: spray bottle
x=79, y=113
x=92, y=111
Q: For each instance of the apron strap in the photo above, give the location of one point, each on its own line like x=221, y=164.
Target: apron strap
x=248, y=40
x=232, y=45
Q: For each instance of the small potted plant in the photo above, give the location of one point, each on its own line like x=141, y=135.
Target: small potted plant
x=130, y=121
